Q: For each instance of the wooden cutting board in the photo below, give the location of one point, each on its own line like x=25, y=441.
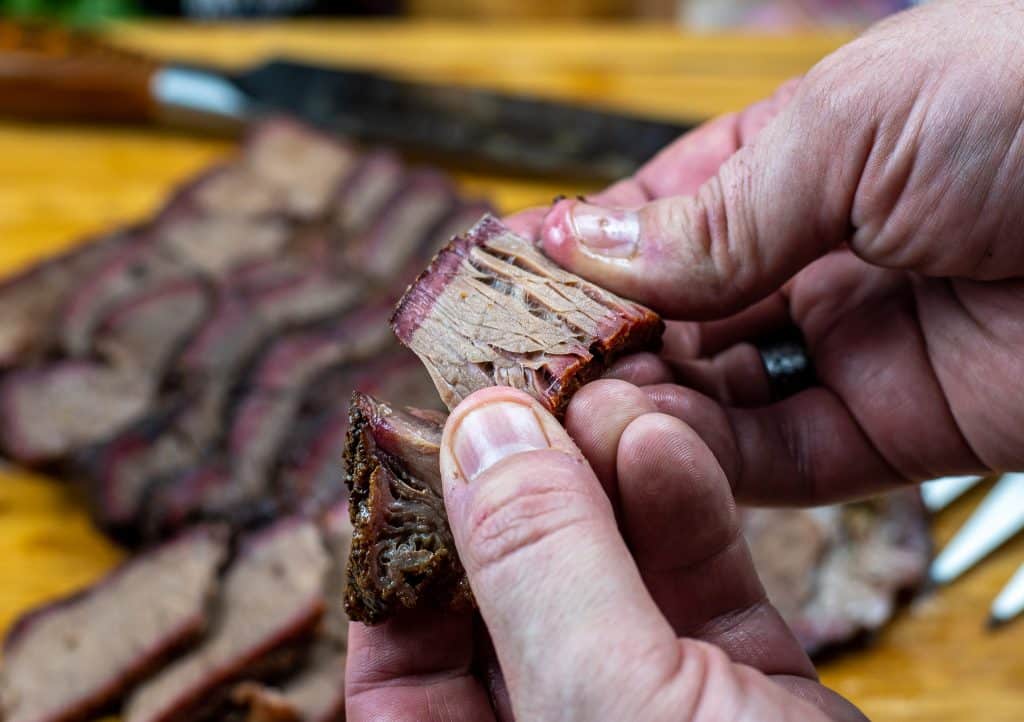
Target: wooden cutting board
x=935, y=662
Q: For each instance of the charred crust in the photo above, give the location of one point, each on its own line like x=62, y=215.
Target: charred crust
x=403, y=553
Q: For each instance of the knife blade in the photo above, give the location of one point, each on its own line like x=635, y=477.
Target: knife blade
x=78, y=79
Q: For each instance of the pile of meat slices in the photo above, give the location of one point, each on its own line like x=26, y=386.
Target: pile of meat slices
x=191, y=374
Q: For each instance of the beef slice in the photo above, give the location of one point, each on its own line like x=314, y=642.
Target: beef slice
x=492, y=310
x=836, y=572
x=403, y=553
x=50, y=411
x=271, y=600
x=74, y=657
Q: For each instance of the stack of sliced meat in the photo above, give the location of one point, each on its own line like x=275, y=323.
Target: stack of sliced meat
x=181, y=368
x=192, y=631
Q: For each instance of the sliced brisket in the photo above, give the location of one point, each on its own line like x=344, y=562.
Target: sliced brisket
x=134, y=269
x=271, y=600
x=317, y=692
x=403, y=226
x=836, y=572
x=403, y=554
x=147, y=331
x=492, y=310
x=362, y=197
x=30, y=302
x=71, y=659
x=51, y=411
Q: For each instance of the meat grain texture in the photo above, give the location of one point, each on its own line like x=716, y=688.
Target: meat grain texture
x=492, y=310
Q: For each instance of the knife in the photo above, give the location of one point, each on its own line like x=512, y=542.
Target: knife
x=52, y=74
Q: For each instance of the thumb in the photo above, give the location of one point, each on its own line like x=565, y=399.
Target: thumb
x=772, y=207
x=547, y=565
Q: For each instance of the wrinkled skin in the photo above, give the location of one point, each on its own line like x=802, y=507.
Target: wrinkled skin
x=876, y=204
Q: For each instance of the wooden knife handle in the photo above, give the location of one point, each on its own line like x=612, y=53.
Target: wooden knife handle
x=48, y=73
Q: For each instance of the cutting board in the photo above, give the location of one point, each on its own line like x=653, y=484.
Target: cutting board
x=935, y=662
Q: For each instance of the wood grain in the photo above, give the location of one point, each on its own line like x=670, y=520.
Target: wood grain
x=59, y=183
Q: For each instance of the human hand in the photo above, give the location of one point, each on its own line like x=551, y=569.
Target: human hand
x=663, y=620
x=880, y=211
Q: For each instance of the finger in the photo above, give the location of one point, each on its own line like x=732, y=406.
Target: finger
x=595, y=419
x=678, y=516
x=416, y=665
x=641, y=369
x=519, y=495
x=735, y=377
x=804, y=450
x=769, y=210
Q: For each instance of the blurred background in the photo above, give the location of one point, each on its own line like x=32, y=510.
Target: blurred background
x=697, y=14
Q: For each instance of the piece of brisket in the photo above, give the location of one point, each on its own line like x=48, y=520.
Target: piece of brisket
x=316, y=693
x=270, y=604
x=50, y=411
x=403, y=554
x=73, y=658
x=492, y=310
x=836, y=572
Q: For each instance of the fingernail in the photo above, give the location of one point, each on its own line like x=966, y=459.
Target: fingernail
x=493, y=432
x=605, y=231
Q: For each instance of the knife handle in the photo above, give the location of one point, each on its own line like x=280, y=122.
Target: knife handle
x=47, y=73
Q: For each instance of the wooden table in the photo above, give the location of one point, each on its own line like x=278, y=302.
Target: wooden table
x=935, y=662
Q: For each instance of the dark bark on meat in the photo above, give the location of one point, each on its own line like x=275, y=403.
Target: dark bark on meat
x=837, y=572
x=403, y=554
x=492, y=310
x=271, y=601
x=73, y=658
x=118, y=473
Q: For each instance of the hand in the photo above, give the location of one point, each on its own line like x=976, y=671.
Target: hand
x=665, y=620
x=881, y=210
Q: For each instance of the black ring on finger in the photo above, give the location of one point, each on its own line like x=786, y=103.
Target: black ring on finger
x=787, y=363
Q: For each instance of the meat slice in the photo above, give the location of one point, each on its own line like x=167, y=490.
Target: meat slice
x=403, y=554
x=296, y=357
x=30, y=302
x=403, y=226
x=119, y=472
x=147, y=331
x=73, y=658
x=217, y=244
x=364, y=194
x=271, y=599
x=305, y=166
x=132, y=270
x=492, y=310
x=317, y=692
x=836, y=572
x=51, y=411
